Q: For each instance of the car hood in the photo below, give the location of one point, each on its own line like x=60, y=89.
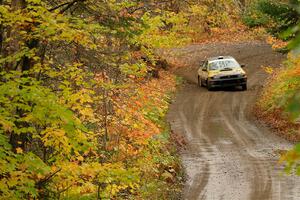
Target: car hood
x=218, y=73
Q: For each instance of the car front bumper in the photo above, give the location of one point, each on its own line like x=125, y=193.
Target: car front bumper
x=228, y=82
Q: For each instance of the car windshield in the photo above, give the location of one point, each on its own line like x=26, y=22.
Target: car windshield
x=223, y=65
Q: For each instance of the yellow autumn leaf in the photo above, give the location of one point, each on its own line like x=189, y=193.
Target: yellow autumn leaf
x=53, y=168
x=268, y=69
x=7, y=125
x=80, y=158
x=19, y=150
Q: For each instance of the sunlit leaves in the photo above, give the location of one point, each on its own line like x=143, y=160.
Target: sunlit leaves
x=137, y=69
x=158, y=34
x=268, y=69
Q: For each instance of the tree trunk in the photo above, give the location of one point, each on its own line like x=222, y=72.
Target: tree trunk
x=16, y=140
x=18, y=4
x=13, y=33
x=27, y=62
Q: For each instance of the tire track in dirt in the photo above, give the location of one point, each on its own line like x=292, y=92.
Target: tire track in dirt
x=229, y=155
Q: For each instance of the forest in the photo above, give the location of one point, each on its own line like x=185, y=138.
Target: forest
x=84, y=93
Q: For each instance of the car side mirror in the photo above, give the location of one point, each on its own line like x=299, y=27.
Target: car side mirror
x=205, y=70
x=243, y=65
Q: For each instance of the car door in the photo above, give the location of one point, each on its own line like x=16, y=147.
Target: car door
x=200, y=68
x=204, y=73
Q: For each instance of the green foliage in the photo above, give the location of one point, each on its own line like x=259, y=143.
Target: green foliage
x=31, y=113
x=18, y=171
x=292, y=159
x=254, y=17
x=294, y=106
x=276, y=16
x=284, y=15
x=282, y=88
x=68, y=71
x=179, y=80
x=27, y=108
x=164, y=165
x=164, y=30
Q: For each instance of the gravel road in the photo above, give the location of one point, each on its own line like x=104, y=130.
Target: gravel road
x=229, y=155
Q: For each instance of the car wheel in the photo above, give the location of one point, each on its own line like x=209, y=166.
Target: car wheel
x=208, y=85
x=244, y=87
x=201, y=83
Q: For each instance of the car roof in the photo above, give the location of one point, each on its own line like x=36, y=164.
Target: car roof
x=220, y=58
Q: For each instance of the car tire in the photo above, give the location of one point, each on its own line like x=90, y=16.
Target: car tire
x=208, y=85
x=244, y=87
x=201, y=83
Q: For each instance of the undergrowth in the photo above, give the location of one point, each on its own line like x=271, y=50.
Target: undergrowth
x=276, y=103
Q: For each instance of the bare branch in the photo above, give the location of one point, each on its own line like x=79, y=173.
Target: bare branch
x=58, y=6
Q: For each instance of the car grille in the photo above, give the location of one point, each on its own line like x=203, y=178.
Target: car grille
x=228, y=82
x=229, y=76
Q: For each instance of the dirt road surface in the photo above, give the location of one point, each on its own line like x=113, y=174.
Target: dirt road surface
x=229, y=156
